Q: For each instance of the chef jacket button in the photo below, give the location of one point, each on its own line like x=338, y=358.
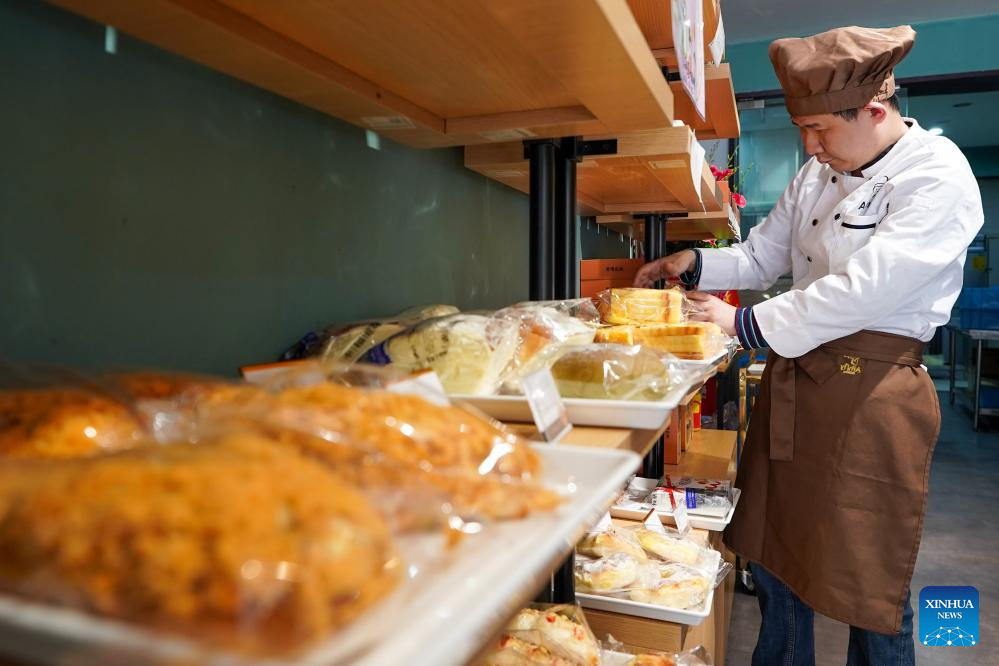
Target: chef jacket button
x=814, y=222
x=834, y=179
x=836, y=216
x=809, y=258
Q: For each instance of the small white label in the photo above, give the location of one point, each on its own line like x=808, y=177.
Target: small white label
x=388, y=122
x=276, y=375
x=681, y=519
x=546, y=404
x=426, y=385
x=653, y=522
x=604, y=523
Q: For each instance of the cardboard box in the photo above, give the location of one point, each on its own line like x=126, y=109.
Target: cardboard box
x=588, y=288
x=609, y=269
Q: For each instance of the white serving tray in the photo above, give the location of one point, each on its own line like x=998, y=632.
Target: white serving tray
x=637, y=414
x=444, y=616
x=697, y=521
x=691, y=617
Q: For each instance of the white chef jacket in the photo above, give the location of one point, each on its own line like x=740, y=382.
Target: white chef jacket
x=884, y=251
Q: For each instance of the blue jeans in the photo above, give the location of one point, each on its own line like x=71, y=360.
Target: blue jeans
x=787, y=635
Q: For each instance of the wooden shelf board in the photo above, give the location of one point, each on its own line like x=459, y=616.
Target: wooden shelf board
x=656, y=22
x=711, y=454
x=694, y=227
x=721, y=119
x=425, y=73
x=651, y=172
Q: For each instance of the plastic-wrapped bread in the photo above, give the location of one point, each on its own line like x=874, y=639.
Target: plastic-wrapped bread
x=512, y=651
x=468, y=352
x=608, y=542
x=603, y=371
x=697, y=340
x=614, y=572
x=680, y=586
x=64, y=422
x=542, y=333
x=632, y=305
x=667, y=547
x=618, y=335
x=561, y=630
x=235, y=539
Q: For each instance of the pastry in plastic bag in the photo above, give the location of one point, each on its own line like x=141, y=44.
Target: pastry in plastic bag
x=542, y=333
x=680, y=586
x=668, y=547
x=696, y=340
x=608, y=542
x=468, y=352
x=617, y=335
x=559, y=629
x=614, y=572
x=349, y=343
x=64, y=422
x=632, y=305
x=231, y=538
x=602, y=371
x=511, y=651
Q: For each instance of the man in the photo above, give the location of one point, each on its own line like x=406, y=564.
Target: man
x=874, y=229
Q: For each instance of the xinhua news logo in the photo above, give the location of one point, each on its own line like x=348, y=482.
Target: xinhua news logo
x=948, y=616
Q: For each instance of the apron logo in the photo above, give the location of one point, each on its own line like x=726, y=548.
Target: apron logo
x=948, y=616
x=851, y=366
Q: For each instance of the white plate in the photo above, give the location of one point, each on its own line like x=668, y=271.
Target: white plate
x=697, y=521
x=444, y=616
x=628, y=607
x=637, y=414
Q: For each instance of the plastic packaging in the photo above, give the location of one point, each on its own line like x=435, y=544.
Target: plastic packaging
x=614, y=654
x=618, y=372
x=543, y=332
x=692, y=340
x=543, y=634
x=636, y=306
x=613, y=540
x=236, y=540
x=613, y=573
x=469, y=353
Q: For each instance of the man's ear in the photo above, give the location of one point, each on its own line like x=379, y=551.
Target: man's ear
x=877, y=111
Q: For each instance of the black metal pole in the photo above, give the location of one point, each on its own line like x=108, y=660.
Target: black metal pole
x=566, y=259
x=564, y=581
x=542, y=157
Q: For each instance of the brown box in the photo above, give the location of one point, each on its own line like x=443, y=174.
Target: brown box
x=609, y=269
x=588, y=288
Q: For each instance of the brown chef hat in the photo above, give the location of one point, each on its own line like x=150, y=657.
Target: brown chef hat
x=841, y=69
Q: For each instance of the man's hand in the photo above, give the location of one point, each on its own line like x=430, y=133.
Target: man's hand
x=706, y=307
x=667, y=268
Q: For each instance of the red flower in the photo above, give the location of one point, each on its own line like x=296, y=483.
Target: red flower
x=738, y=200
x=719, y=174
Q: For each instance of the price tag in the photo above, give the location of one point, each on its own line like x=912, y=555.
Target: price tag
x=653, y=522
x=680, y=516
x=604, y=523
x=426, y=385
x=546, y=404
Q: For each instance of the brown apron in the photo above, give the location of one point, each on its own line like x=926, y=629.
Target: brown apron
x=835, y=473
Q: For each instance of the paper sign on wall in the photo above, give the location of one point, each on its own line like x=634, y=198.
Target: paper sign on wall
x=688, y=41
x=546, y=405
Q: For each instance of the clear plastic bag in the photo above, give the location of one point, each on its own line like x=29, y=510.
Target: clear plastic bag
x=617, y=572
x=612, y=540
x=637, y=306
x=547, y=634
x=469, y=353
x=615, y=654
x=618, y=372
x=237, y=541
x=692, y=340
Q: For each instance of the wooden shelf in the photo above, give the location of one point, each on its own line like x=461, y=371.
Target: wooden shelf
x=720, y=225
x=639, y=441
x=721, y=119
x=651, y=172
x=711, y=455
x=656, y=23
x=425, y=73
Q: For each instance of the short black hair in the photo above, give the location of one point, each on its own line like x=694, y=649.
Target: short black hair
x=851, y=114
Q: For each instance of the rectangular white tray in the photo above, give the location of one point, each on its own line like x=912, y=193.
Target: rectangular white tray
x=628, y=607
x=697, y=521
x=444, y=616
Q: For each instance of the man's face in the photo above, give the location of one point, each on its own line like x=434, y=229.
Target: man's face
x=843, y=144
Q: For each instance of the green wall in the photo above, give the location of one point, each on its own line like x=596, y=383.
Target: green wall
x=157, y=213
x=942, y=47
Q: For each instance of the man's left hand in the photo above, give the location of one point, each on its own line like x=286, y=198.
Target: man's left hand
x=706, y=307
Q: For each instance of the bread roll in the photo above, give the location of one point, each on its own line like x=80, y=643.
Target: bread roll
x=603, y=544
x=614, y=572
x=667, y=547
x=697, y=340
x=611, y=372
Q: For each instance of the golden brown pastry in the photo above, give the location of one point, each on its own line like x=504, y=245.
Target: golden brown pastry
x=631, y=305
x=669, y=548
x=615, y=572
x=681, y=587
x=611, y=372
x=603, y=544
x=561, y=635
x=652, y=660
x=234, y=536
x=697, y=340
x=510, y=651
x=63, y=422
x=617, y=335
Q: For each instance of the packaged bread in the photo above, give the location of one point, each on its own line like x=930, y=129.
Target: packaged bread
x=468, y=352
x=608, y=542
x=617, y=571
x=235, y=539
x=542, y=333
x=668, y=547
x=511, y=651
x=561, y=631
x=605, y=371
x=632, y=305
x=680, y=586
x=60, y=422
x=618, y=335
x=697, y=340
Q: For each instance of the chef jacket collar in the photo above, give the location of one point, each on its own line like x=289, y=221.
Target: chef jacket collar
x=871, y=167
